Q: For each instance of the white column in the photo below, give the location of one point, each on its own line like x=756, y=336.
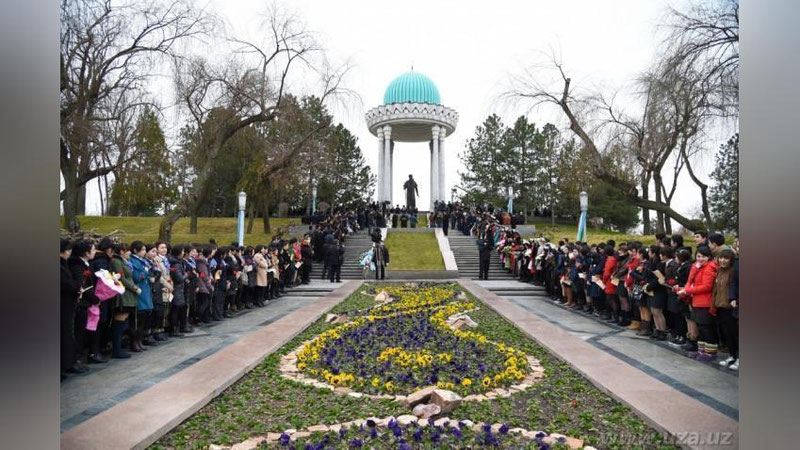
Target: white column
x=442, y=193
x=391, y=172
x=430, y=177
x=387, y=162
x=380, y=165
x=435, y=165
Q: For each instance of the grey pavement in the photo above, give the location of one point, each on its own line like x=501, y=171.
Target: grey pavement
x=707, y=382
x=86, y=395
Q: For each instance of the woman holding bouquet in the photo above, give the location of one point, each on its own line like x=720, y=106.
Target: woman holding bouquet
x=124, y=304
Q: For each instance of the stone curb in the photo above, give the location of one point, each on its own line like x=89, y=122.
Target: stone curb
x=253, y=443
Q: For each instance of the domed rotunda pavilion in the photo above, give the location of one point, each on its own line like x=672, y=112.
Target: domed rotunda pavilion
x=412, y=111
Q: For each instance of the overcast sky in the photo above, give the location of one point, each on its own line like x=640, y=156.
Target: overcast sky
x=469, y=49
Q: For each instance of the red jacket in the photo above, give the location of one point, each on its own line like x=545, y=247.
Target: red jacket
x=608, y=269
x=632, y=264
x=701, y=284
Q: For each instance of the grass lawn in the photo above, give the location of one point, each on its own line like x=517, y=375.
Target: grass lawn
x=221, y=229
x=262, y=401
x=557, y=232
x=414, y=251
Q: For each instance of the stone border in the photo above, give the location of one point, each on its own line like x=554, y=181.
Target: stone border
x=145, y=417
x=288, y=369
x=643, y=393
x=447, y=254
x=253, y=443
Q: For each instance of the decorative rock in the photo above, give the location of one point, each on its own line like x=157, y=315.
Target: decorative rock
x=529, y=434
x=461, y=295
x=382, y=297
x=481, y=398
x=468, y=423
x=331, y=317
x=423, y=422
x=447, y=400
x=589, y=447
x=335, y=428
x=503, y=393
x=290, y=431
x=343, y=390
x=574, y=443
x=420, y=396
x=491, y=394
x=406, y=419
x=496, y=427
x=426, y=411
x=299, y=435
x=399, y=398
x=316, y=428
x=272, y=437
x=549, y=440
x=441, y=421
x=249, y=444
x=355, y=394
x=217, y=447
x=478, y=426
x=340, y=319
x=464, y=322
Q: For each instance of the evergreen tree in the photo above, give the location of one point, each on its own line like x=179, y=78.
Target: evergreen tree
x=525, y=143
x=349, y=178
x=486, y=160
x=724, y=195
x=147, y=186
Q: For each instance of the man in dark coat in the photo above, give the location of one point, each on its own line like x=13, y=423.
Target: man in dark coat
x=445, y=222
x=380, y=256
x=484, y=252
x=177, y=274
x=334, y=256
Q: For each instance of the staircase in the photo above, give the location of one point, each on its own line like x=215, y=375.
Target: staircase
x=354, y=246
x=466, y=253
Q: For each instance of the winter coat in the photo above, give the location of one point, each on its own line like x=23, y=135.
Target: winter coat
x=141, y=273
x=261, y=269
x=204, y=284
x=156, y=287
x=128, y=299
x=177, y=274
x=334, y=254
x=608, y=270
x=69, y=284
x=701, y=284
x=596, y=265
x=380, y=255
x=230, y=274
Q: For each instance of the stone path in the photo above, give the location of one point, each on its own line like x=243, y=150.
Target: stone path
x=150, y=393
x=679, y=395
x=707, y=382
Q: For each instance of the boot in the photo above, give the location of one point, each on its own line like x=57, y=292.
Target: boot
x=644, y=329
x=117, y=328
x=624, y=321
x=634, y=325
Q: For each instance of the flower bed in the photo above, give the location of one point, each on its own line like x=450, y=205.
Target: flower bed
x=401, y=346
x=264, y=402
x=406, y=432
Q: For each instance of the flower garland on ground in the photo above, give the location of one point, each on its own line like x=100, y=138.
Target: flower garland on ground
x=407, y=344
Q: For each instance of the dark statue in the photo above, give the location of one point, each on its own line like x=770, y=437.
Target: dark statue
x=411, y=192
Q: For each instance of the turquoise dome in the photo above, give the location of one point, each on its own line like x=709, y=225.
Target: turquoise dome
x=412, y=87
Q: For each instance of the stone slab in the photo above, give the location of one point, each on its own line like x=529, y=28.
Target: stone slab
x=142, y=419
x=668, y=410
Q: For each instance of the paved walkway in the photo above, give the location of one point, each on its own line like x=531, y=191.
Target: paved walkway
x=679, y=396
x=89, y=396
x=707, y=382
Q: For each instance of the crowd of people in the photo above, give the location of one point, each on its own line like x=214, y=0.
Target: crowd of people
x=685, y=295
x=167, y=290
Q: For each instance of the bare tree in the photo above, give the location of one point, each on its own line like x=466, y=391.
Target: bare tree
x=106, y=51
x=705, y=39
x=647, y=138
x=247, y=89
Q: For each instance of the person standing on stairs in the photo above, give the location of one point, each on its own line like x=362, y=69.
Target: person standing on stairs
x=484, y=253
x=380, y=256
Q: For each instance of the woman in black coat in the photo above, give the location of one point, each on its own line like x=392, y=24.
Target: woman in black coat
x=658, y=301
x=80, y=267
x=177, y=273
x=70, y=286
x=220, y=284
